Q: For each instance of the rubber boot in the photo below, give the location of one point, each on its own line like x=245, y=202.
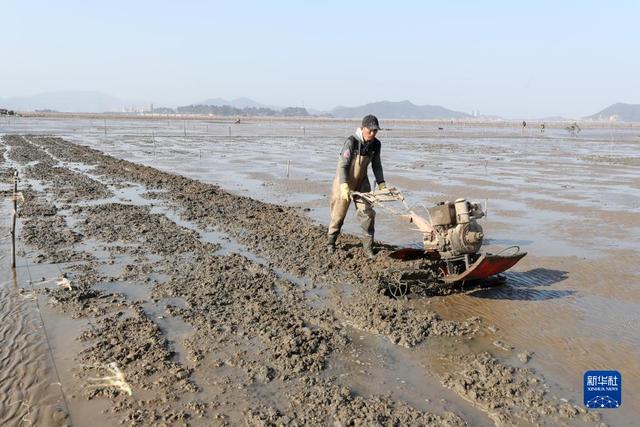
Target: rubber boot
x=367, y=246
x=331, y=244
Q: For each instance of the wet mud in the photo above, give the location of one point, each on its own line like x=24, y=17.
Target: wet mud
x=505, y=391
x=199, y=306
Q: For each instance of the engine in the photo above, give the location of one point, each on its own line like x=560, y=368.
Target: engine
x=455, y=231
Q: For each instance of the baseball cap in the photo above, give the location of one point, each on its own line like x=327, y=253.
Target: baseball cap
x=371, y=122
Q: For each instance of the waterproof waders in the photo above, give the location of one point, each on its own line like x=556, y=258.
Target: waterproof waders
x=358, y=181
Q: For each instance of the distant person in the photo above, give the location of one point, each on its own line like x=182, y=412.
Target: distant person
x=542, y=127
x=524, y=124
x=574, y=129
x=359, y=150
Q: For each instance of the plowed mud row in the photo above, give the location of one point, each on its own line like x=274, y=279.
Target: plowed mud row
x=198, y=306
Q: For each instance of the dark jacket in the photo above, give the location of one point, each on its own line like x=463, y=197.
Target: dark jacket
x=351, y=148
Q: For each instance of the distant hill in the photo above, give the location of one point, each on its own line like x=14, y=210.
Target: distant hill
x=619, y=111
x=69, y=101
x=227, y=110
x=398, y=110
x=237, y=103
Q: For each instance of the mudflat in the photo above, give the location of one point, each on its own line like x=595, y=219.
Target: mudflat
x=175, y=279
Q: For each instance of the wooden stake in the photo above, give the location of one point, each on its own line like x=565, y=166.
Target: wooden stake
x=15, y=214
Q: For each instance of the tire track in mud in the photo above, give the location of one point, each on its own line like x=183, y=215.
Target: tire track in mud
x=231, y=300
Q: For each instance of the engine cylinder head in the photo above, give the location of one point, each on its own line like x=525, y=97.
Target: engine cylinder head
x=462, y=211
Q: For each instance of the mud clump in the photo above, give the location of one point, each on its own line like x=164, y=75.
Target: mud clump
x=399, y=322
x=116, y=222
x=67, y=185
x=229, y=296
x=83, y=302
x=46, y=230
x=326, y=404
x=23, y=152
x=75, y=296
x=60, y=149
x=507, y=393
x=6, y=173
x=36, y=205
x=133, y=343
x=136, y=345
x=53, y=238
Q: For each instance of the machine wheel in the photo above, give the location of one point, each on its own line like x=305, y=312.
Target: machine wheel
x=393, y=285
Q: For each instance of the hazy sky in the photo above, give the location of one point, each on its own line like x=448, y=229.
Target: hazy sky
x=511, y=58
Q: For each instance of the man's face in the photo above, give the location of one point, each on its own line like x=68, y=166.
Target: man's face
x=369, y=134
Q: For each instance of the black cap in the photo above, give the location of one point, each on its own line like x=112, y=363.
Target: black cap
x=370, y=122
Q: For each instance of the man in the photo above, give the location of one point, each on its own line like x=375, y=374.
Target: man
x=360, y=150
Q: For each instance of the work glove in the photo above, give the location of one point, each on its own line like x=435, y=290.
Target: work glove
x=382, y=186
x=344, y=192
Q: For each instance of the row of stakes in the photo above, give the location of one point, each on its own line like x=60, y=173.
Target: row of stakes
x=304, y=130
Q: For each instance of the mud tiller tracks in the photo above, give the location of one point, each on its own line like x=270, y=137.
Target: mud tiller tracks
x=450, y=256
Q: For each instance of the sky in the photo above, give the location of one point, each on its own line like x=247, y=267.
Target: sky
x=509, y=58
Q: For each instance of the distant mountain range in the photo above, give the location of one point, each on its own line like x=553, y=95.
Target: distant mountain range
x=618, y=111
x=386, y=109
x=398, y=110
x=227, y=110
x=237, y=103
x=98, y=102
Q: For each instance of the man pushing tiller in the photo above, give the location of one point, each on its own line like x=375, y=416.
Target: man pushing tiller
x=359, y=150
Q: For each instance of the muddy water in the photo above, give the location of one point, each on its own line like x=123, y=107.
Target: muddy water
x=546, y=195
x=30, y=389
x=569, y=203
x=65, y=344
x=572, y=203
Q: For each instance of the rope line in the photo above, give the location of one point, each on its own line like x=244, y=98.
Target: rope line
x=46, y=336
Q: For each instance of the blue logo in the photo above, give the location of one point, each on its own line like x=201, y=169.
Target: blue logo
x=602, y=389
